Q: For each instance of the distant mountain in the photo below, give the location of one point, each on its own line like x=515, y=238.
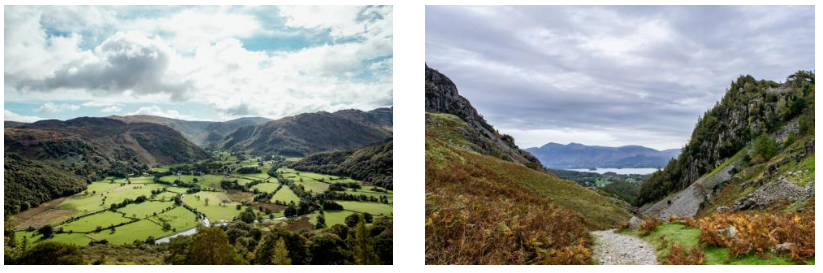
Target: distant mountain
x=8, y=124
x=372, y=164
x=202, y=133
x=575, y=156
x=442, y=97
x=97, y=147
x=309, y=133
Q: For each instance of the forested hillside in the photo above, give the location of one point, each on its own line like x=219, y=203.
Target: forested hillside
x=27, y=183
x=372, y=164
x=751, y=110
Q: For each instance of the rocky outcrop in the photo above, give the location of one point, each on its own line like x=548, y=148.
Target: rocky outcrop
x=688, y=202
x=442, y=97
x=782, y=191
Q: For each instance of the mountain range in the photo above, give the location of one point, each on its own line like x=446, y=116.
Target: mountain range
x=202, y=133
x=309, y=133
x=577, y=156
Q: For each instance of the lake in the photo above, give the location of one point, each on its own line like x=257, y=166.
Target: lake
x=618, y=171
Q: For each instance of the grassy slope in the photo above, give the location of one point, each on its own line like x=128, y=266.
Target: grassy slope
x=484, y=210
x=599, y=211
x=688, y=237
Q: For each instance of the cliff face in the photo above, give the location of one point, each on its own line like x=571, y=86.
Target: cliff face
x=749, y=109
x=442, y=97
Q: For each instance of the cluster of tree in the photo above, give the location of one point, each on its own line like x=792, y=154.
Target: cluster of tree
x=750, y=109
x=342, y=186
x=29, y=183
x=623, y=186
x=372, y=164
x=241, y=243
x=127, y=201
x=248, y=170
x=338, y=195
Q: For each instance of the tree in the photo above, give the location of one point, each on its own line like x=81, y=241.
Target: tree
x=327, y=249
x=290, y=211
x=207, y=201
x=280, y=255
x=248, y=216
x=363, y=247
x=210, y=245
x=352, y=219
x=47, y=231
x=321, y=222
x=765, y=148
x=52, y=253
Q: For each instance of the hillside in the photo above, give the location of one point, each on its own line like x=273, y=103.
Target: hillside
x=371, y=164
x=201, y=133
x=485, y=206
x=751, y=136
x=579, y=156
x=98, y=147
x=309, y=133
x=28, y=183
x=442, y=97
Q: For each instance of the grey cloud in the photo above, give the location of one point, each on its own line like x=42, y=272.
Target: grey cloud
x=661, y=84
x=125, y=61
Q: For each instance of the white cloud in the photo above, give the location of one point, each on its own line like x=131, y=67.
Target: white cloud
x=340, y=20
x=196, y=56
x=111, y=109
x=11, y=116
x=155, y=110
x=193, y=28
x=50, y=107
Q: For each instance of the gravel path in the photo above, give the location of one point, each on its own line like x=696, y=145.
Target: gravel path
x=612, y=248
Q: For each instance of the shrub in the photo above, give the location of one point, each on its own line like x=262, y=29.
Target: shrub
x=679, y=255
x=760, y=232
x=649, y=225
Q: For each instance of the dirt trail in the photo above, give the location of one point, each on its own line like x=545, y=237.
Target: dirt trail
x=616, y=249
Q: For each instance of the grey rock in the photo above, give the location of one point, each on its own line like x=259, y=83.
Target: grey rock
x=635, y=222
x=784, y=247
x=730, y=231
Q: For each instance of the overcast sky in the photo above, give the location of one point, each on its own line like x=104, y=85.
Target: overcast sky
x=198, y=63
x=610, y=75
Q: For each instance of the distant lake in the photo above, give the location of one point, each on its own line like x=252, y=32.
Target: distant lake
x=618, y=171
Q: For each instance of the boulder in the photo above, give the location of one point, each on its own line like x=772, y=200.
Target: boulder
x=730, y=231
x=722, y=209
x=635, y=222
x=784, y=247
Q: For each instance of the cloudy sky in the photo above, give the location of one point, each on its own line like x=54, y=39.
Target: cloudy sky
x=610, y=75
x=199, y=63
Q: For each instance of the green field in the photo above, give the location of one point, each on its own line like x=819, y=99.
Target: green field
x=205, y=181
x=370, y=207
x=266, y=187
x=68, y=238
x=128, y=233
x=285, y=195
x=145, y=209
x=179, y=218
x=90, y=223
x=216, y=210
x=368, y=191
